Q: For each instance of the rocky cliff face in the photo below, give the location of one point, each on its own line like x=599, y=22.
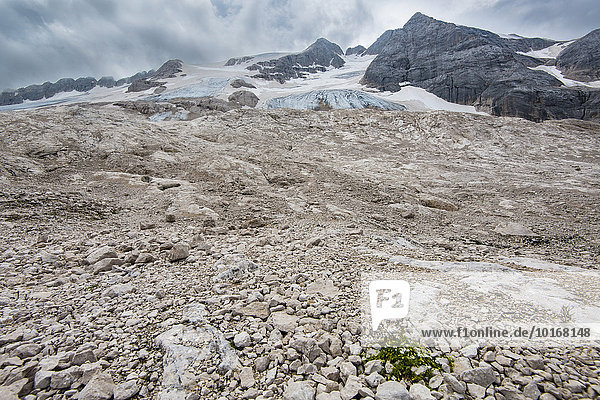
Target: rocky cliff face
x=581, y=60
x=48, y=89
x=315, y=58
x=471, y=66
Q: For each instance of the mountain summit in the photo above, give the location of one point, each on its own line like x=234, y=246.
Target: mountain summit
x=315, y=58
x=472, y=66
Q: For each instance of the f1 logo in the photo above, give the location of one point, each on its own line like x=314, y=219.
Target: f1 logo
x=389, y=300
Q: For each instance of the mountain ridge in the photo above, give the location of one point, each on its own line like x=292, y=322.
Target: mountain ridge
x=533, y=78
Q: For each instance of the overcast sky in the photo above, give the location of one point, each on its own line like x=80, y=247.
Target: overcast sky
x=44, y=40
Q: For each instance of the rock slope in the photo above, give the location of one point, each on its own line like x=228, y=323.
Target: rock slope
x=221, y=258
x=316, y=57
x=471, y=66
x=581, y=60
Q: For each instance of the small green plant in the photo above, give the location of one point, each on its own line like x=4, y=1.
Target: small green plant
x=405, y=362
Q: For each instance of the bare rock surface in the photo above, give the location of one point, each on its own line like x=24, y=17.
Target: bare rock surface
x=252, y=289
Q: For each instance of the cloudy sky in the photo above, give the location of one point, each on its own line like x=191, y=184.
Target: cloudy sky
x=44, y=40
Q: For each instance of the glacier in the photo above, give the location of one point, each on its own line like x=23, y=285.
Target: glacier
x=335, y=98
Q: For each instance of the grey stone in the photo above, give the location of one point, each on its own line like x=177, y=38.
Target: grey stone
x=392, y=390
x=535, y=362
x=101, y=253
x=238, y=83
x=42, y=379
x=106, y=265
x=299, y=391
x=483, y=376
x=351, y=388
x=144, y=258
x=126, y=390
x=26, y=350
x=455, y=384
x=374, y=379
x=347, y=369
x=420, y=392
x=284, y=321
x=65, y=378
x=478, y=392
x=244, y=98
x=117, y=290
x=247, y=377
x=373, y=366
x=255, y=309
x=242, y=340
x=531, y=391
x=510, y=393
x=83, y=357
x=100, y=387
x=179, y=251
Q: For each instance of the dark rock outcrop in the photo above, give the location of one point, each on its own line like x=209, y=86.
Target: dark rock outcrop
x=143, y=84
x=358, y=50
x=238, y=60
x=133, y=78
x=475, y=67
x=581, y=59
x=244, y=98
x=32, y=92
x=315, y=58
x=170, y=69
x=85, y=84
x=61, y=85
x=47, y=89
x=238, y=83
x=107, y=82
x=10, y=98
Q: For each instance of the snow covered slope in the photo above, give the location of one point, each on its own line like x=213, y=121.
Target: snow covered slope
x=547, y=53
x=340, y=87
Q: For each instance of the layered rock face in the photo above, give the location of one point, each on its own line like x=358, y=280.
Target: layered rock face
x=581, y=60
x=316, y=58
x=471, y=66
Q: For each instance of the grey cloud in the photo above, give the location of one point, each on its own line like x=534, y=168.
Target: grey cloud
x=45, y=40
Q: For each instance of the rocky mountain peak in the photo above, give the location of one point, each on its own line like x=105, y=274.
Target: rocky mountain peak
x=169, y=69
x=315, y=58
x=421, y=19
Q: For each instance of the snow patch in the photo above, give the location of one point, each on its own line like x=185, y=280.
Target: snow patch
x=555, y=72
x=549, y=52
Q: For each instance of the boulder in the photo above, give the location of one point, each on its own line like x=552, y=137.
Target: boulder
x=244, y=98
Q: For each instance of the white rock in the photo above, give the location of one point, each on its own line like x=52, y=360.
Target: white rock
x=392, y=390
x=247, y=377
x=284, y=321
x=420, y=392
x=299, y=391
x=242, y=340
